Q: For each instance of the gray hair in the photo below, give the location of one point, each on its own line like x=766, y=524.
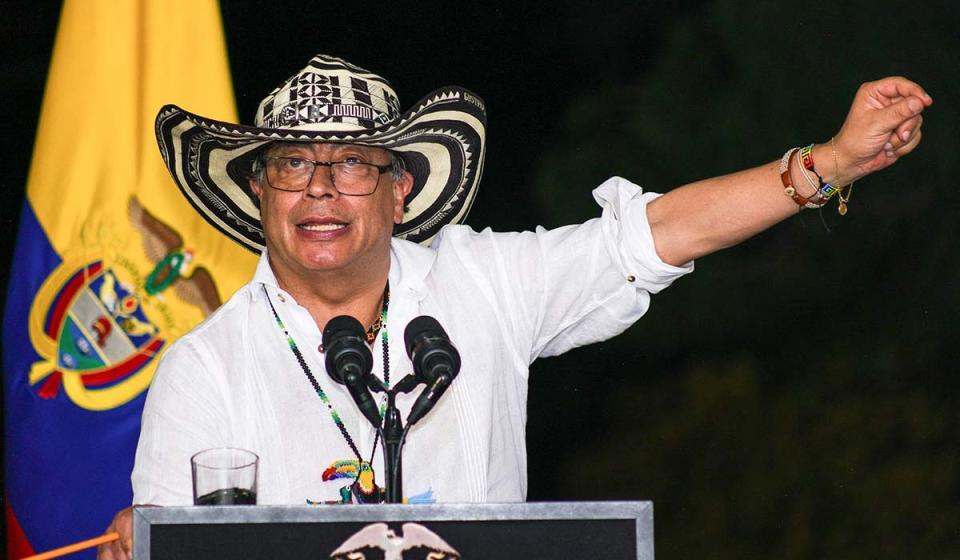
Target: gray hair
x=399, y=166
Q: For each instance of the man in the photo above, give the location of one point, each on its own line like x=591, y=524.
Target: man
x=339, y=184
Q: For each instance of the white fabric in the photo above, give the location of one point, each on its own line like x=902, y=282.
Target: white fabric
x=504, y=298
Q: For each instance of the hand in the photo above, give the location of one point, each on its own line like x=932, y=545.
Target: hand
x=882, y=126
x=121, y=549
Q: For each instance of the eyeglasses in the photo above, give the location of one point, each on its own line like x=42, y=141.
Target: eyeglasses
x=350, y=177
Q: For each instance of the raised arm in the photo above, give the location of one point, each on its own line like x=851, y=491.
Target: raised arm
x=697, y=219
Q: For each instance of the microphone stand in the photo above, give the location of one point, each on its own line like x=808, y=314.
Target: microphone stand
x=393, y=434
x=393, y=442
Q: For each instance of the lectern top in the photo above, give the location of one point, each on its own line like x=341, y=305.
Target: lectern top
x=521, y=530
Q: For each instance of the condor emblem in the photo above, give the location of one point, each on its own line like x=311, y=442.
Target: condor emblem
x=102, y=317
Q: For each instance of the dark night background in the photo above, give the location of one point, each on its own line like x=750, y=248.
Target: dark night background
x=797, y=396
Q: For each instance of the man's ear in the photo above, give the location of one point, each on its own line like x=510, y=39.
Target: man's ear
x=401, y=190
x=255, y=192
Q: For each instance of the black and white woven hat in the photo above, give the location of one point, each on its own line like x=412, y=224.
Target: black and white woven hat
x=441, y=140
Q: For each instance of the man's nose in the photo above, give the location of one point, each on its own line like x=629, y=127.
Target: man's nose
x=321, y=182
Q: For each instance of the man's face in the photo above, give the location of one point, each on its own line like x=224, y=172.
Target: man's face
x=319, y=229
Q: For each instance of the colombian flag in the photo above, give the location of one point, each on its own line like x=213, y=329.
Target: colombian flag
x=111, y=263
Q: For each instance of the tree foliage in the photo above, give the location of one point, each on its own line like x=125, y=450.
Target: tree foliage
x=795, y=397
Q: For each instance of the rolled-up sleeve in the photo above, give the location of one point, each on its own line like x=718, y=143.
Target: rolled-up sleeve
x=627, y=232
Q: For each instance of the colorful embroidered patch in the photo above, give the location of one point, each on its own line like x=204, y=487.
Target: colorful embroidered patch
x=363, y=488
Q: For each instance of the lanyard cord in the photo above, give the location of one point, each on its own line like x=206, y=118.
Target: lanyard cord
x=382, y=324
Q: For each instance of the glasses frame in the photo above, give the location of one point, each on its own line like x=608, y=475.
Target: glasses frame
x=381, y=169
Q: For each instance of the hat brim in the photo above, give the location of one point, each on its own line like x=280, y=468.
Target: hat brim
x=441, y=140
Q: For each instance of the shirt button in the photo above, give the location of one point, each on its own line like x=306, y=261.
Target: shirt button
x=631, y=278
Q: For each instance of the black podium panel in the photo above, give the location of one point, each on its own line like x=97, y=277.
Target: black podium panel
x=468, y=531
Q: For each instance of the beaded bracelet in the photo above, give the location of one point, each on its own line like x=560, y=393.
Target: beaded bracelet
x=816, y=200
x=806, y=158
x=814, y=184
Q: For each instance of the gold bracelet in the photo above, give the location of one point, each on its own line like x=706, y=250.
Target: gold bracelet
x=842, y=207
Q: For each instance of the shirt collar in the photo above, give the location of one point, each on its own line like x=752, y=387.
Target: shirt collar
x=263, y=275
x=410, y=263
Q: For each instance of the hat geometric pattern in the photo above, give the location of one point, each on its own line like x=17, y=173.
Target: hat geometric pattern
x=441, y=140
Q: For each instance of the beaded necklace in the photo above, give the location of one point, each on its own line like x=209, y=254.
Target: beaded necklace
x=381, y=325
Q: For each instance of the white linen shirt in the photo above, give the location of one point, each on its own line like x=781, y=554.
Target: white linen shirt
x=504, y=298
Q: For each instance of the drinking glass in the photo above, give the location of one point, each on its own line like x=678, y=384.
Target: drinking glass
x=224, y=476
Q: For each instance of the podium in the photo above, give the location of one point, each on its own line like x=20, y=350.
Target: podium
x=549, y=530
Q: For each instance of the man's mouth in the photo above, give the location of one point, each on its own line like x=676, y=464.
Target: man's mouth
x=322, y=227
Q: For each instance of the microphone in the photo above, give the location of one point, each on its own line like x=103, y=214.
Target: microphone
x=349, y=362
x=435, y=361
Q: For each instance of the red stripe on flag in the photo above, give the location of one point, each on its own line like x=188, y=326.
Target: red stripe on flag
x=17, y=544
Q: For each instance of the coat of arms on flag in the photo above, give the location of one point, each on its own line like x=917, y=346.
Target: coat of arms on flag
x=100, y=322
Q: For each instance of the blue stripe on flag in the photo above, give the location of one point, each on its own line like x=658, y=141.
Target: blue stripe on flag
x=68, y=469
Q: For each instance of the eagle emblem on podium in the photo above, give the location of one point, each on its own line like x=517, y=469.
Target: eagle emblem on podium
x=380, y=541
